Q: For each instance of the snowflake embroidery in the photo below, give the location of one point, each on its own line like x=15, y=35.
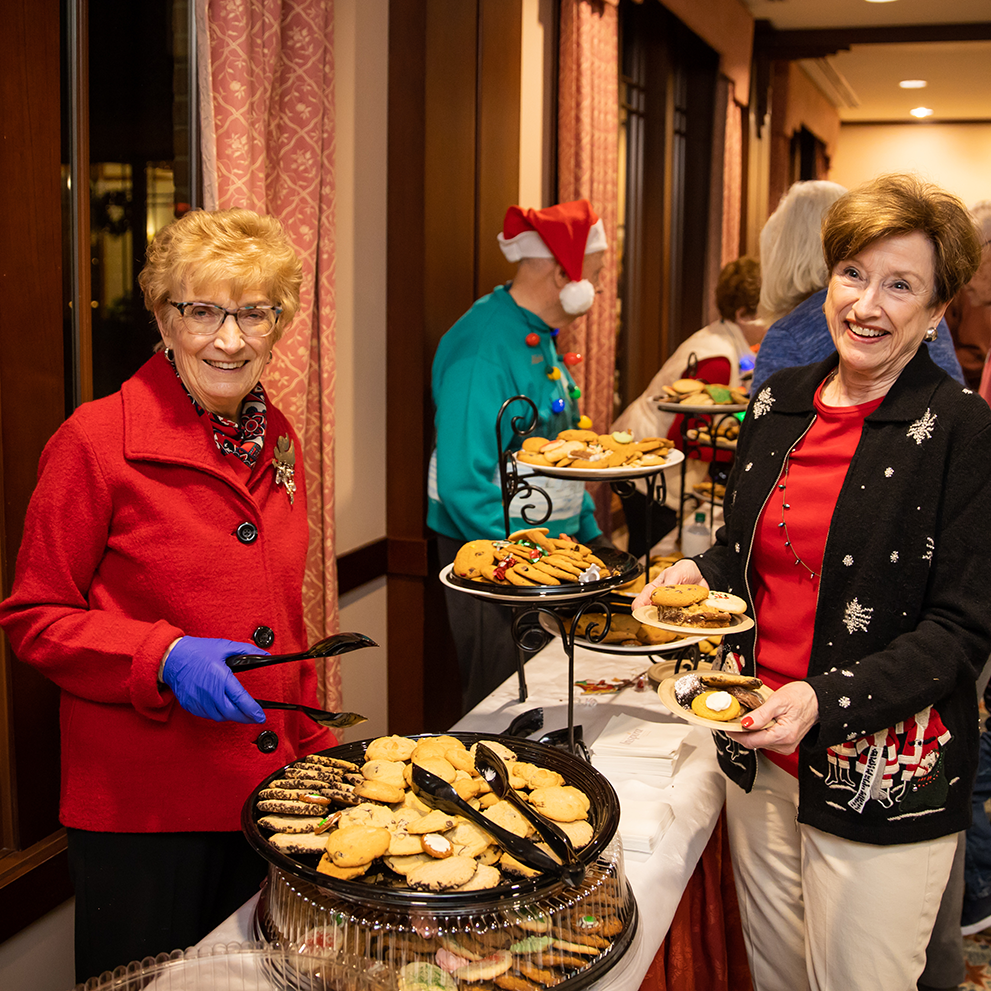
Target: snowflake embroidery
x=848, y=560
x=763, y=403
x=736, y=547
x=922, y=429
x=750, y=465
x=894, y=557
x=930, y=547
x=844, y=701
x=857, y=617
x=968, y=392
x=851, y=736
x=888, y=472
x=847, y=674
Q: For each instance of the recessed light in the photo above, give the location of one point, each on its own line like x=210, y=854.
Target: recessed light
x=921, y=112
x=879, y=1
x=913, y=84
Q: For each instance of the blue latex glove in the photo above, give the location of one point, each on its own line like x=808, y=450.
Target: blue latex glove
x=203, y=684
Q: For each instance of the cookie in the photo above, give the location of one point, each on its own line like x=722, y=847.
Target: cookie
x=328, y=867
x=533, y=458
x=290, y=824
x=579, y=831
x=505, y=815
x=380, y=791
x=442, y=875
x=436, y=845
x=368, y=814
x=726, y=679
x=438, y=765
x=405, y=844
x=720, y=706
x=561, y=803
x=589, y=436
x=485, y=876
x=422, y=976
x=487, y=968
x=679, y=595
x=726, y=601
x=471, y=556
x=403, y=865
x=389, y=771
x=285, y=807
x=344, y=765
x=434, y=822
x=534, y=444
x=655, y=635
x=355, y=845
x=299, y=842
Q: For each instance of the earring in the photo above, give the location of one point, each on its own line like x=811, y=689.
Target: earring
x=167, y=351
x=931, y=334
x=270, y=357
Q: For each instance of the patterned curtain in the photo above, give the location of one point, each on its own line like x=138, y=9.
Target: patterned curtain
x=732, y=176
x=588, y=164
x=267, y=109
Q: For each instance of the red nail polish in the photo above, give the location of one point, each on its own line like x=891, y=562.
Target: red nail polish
x=746, y=722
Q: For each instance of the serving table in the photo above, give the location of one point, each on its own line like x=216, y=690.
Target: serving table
x=695, y=793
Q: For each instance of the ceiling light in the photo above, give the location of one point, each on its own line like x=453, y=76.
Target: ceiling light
x=921, y=112
x=913, y=84
x=879, y=1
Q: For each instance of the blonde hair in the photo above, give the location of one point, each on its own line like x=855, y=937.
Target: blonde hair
x=893, y=205
x=240, y=248
x=791, y=261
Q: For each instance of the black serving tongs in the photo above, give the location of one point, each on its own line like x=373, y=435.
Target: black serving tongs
x=340, y=643
x=332, y=720
x=434, y=791
x=495, y=773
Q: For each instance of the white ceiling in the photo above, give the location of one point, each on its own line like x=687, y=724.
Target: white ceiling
x=863, y=81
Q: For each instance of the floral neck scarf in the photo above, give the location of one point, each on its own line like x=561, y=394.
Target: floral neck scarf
x=246, y=439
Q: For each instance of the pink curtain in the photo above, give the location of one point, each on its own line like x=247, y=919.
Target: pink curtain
x=588, y=162
x=732, y=177
x=267, y=108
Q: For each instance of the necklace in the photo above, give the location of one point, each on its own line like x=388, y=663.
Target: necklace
x=783, y=486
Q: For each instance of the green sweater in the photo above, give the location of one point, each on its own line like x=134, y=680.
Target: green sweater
x=482, y=361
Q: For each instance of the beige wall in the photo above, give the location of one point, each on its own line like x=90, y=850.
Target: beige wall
x=361, y=38
x=536, y=106
x=954, y=155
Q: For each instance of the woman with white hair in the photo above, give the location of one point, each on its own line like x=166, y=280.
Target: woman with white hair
x=793, y=286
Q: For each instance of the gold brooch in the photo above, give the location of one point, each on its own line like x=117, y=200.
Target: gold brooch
x=285, y=466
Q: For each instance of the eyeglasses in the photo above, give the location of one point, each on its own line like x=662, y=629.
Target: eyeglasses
x=207, y=318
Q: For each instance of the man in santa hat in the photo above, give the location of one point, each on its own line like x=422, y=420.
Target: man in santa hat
x=504, y=346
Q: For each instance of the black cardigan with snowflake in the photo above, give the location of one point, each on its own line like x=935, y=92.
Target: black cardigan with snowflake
x=903, y=621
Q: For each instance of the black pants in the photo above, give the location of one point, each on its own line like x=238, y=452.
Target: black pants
x=141, y=894
x=483, y=635
x=663, y=520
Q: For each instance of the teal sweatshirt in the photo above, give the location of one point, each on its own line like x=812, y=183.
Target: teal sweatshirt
x=482, y=361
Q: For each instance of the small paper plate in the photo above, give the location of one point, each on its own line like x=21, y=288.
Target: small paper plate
x=648, y=616
x=617, y=648
x=665, y=692
x=666, y=669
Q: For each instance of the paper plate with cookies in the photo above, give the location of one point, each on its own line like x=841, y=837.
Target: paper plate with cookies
x=717, y=700
x=587, y=455
x=693, y=609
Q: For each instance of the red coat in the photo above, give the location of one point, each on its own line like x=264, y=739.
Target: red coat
x=130, y=542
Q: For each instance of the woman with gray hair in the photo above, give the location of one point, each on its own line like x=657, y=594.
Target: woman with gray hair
x=969, y=314
x=793, y=286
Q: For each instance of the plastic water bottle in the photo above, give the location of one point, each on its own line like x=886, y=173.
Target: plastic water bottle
x=695, y=538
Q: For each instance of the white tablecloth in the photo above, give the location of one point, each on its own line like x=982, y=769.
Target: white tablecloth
x=695, y=792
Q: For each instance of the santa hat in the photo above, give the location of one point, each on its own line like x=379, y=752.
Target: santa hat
x=566, y=232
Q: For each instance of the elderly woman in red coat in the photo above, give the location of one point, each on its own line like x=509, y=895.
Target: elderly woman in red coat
x=167, y=533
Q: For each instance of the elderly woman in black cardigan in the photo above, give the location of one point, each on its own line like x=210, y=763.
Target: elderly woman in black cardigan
x=857, y=531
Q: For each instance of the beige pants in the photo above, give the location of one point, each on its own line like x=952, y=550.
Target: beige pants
x=824, y=913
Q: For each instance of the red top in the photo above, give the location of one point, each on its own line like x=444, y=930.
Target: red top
x=785, y=592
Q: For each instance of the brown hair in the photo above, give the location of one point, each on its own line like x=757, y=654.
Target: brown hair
x=894, y=205
x=738, y=287
x=238, y=247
